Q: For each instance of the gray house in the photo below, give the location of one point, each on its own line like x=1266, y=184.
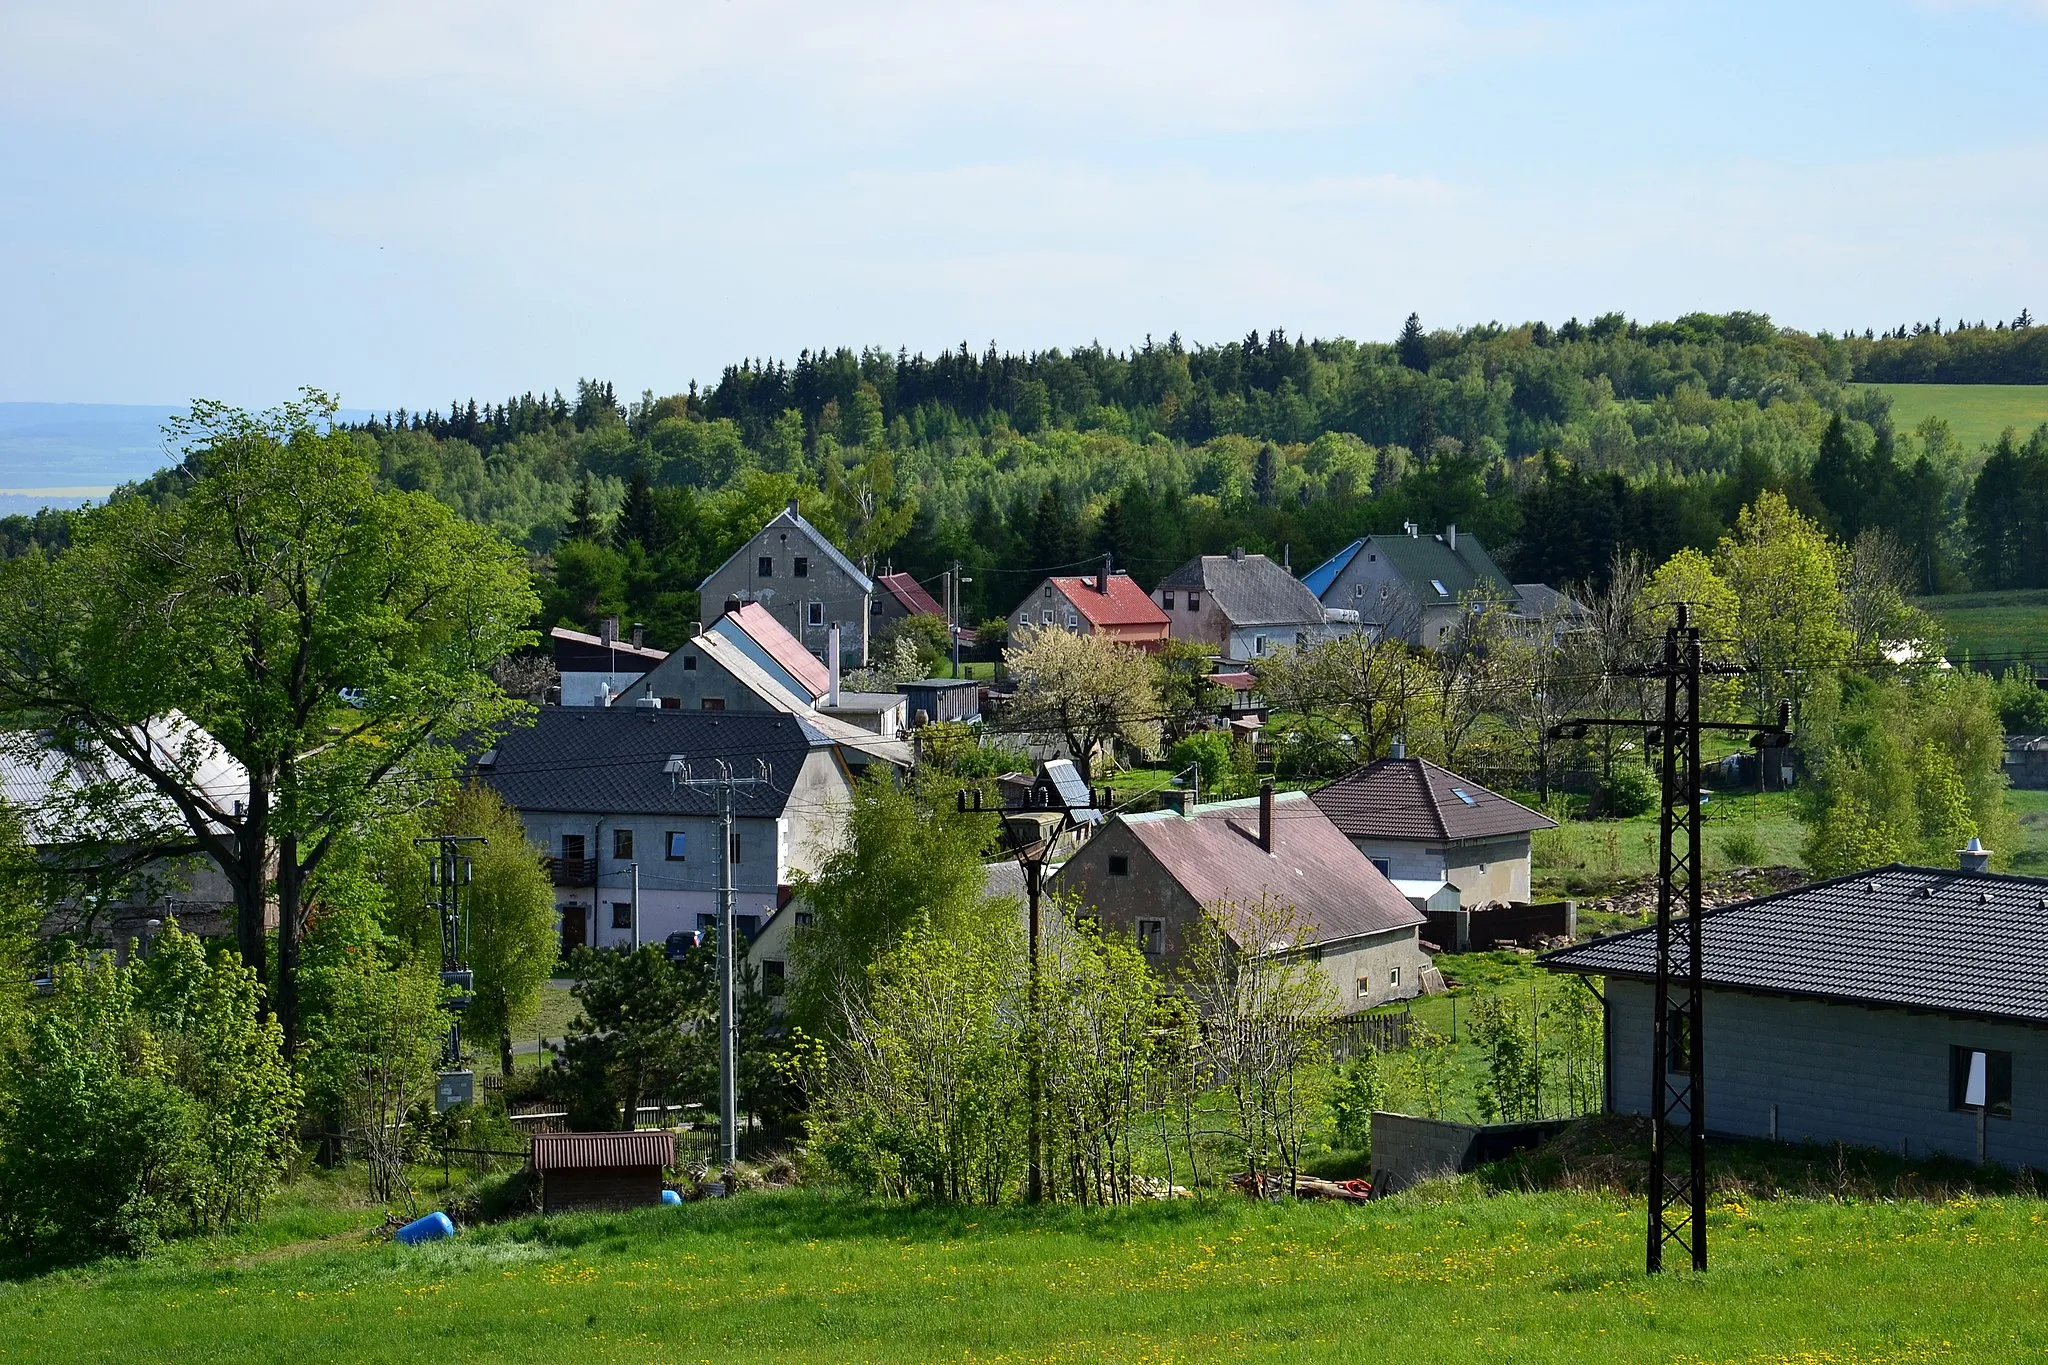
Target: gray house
x=1419, y=822
x=1151, y=875
x=806, y=584
x=1414, y=586
x=600, y=789
x=1242, y=606
x=1886, y=1009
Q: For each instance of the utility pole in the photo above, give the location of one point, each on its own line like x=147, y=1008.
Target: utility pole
x=636, y=904
x=1678, y=1092
x=724, y=785
x=448, y=871
x=953, y=610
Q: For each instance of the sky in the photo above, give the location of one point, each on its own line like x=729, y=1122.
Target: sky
x=411, y=202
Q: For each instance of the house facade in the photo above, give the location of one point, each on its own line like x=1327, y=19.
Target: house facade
x=1902, y=1008
x=1416, y=586
x=1151, y=875
x=634, y=846
x=801, y=578
x=1108, y=604
x=1419, y=822
x=1241, y=606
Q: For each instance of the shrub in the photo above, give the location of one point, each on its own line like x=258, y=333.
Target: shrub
x=1742, y=848
x=1632, y=790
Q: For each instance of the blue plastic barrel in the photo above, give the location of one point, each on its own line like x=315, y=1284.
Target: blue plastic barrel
x=431, y=1228
x=671, y=1197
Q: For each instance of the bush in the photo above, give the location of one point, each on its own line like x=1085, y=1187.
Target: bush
x=1632, y=790
x=1225, y=767
x=2022, y=705
x=1742, y=848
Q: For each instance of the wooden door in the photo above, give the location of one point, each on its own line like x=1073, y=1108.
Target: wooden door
x=575, y=930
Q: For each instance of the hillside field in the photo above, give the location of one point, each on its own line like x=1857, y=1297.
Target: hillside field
x=1976, y=413
x=1431, y=1276
x=1992, y=625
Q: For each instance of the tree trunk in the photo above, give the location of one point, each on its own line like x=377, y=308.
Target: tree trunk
x=248, y=874
x=290, y=886
x=505, y=1052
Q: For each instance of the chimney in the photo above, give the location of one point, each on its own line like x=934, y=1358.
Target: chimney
x=1179, y=800
x=1412, y=529
x=1287, y=559
x=648, y=703
x=1266, y=816
x=1451, y=536
x=1102, y=583
x=792, y=507
x=732, y=604
x=1237, y=552
x=832, y=665
x=1398, y=749
x=639, y=634
x=608, y=631
x=1973, y=856
x=696, y=629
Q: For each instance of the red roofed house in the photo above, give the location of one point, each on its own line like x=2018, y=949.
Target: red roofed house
x=899, y=595
x=1150, y=876
x=1094, y=604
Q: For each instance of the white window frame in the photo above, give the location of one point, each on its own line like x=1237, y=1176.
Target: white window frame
x=814, y=613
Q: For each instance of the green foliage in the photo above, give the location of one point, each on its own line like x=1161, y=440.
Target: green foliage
x=511, y=905
x=1632, y=789
x=1215, y=763
x=143, y=1101
x=1514, y=1081
x=2022, y=702
x=641, y=1035
x=1353, y=1097
x=1429, y=1070
x=965, y=753
x=931, y=638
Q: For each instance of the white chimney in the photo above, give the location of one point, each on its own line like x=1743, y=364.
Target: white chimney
x=832, y=665
x=1973, y=856
x=1451, y=536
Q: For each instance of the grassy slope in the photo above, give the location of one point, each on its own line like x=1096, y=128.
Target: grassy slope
x=1976, y=413
x=1990, y=624
x=798, y=1277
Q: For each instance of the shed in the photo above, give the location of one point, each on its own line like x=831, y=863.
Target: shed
x=600, y=1170
x=942, y=698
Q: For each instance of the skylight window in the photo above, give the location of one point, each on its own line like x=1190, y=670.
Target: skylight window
x=1463, y=795
x=1441, y=590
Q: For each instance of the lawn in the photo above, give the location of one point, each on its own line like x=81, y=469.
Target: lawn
x=1589, y=857
x=1991, y=625
x=1976, y=413
x=1442, y=1274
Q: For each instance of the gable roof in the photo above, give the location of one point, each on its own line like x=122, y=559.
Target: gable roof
x=1125, y=604
x=764, y=685
x=1412, y=798
x=572, y=647
x=1319, y=579
x=1214, y=855
x=911, y=594
x=86, y=794
x=794, y=519
x=613, y=760
x=752, y=620
x=1250, y=590
x=1421, y=558
x=1958, y=943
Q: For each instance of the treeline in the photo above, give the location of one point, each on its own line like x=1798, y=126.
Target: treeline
x=1967, y=353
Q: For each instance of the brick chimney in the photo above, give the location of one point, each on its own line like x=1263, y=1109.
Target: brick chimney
x=1102, y=583
x=1973, y=856
x=639, y=634
x=1266, y=816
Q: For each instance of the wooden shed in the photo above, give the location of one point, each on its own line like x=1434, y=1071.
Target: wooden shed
x=600, y=1170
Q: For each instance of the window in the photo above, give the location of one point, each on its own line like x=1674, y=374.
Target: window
x=689, y=663
x=622, y=843
x=706, y=920
x=678, y=846
x=1045, y=617
x=1072, y=620
x=1151, y=935
x=572, y=848
x=1166, y=600
x=773, y=976
x=622, y=914
x=1194, y=601
x=801, y=566
x=744, y=927
x=815, y=613
x=1464, y=796
x=671, y=703
x=1386, y=868
x=1393, y=976
x=1383, y=592
x=1372, y=559
x=711, y=704
x=1980, y=1079
x=1358, y=589
x=1048, y=590
x=1119, y=865
x=1678, y=1040
x=735, y=845
x=1441, y=590
x=1364, y=988
x=1259, y=645
x=765, y=567
x=804, y=918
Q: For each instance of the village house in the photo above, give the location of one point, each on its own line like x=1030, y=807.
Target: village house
x=634, y=849
x=596, y=669
x=1151, y=875
x=1427, y=827
x=1241, y=606
x=1903, y=1008
x=801, y=579
x=1106, y=603
x=1415, y=587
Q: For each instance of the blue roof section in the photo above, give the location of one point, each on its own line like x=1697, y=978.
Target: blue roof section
x=1319, y=579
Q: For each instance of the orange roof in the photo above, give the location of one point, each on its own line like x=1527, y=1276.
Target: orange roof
x=911, y=594
x=781, y=646
x=1125, y=604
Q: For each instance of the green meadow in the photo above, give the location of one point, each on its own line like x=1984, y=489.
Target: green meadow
x=1976, y=413
x=1988, y=625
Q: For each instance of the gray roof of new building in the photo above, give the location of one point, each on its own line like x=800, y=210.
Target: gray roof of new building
x=1919, y=938
x=1424, y=557
x=1412, y=798
x=1250, y=590
x=614, y=760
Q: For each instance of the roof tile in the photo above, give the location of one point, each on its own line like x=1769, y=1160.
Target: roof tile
x=1412, y=798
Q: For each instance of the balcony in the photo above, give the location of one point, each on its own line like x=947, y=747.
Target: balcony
x=573, y=871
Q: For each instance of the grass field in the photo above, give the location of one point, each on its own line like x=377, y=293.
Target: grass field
x=1432, y=1276
x=1989, y=625
x=1976, y=413
x=1585, y=857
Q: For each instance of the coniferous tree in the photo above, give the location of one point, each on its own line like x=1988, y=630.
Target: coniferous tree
x=583, y=521
x=1412, y=347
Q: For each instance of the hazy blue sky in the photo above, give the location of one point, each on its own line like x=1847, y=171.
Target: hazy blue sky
x=405, y=202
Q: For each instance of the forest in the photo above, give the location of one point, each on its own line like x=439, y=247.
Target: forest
x=1560, y=446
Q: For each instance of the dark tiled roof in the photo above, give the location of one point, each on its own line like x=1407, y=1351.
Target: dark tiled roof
x=612, y=760
x=1412, y=798
x=1215, y=856
x=602, y=1151
x=1428, y=555
x=1252, y=591
x=575, y=650
x=1967, y=943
